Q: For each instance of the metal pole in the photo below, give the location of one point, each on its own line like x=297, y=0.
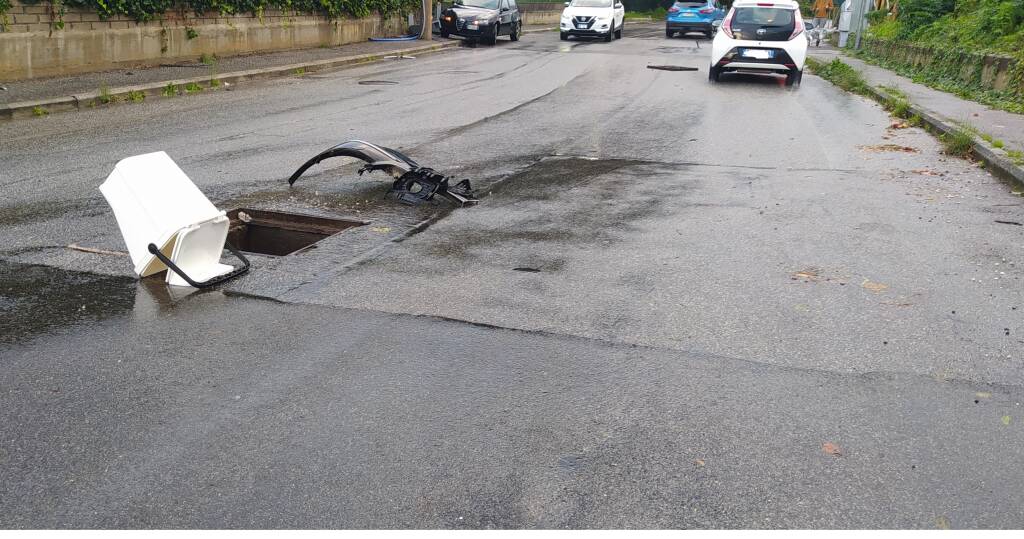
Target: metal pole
x=863, y=8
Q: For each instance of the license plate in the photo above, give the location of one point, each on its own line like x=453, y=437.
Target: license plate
x=581, y=26
x=688, y=14
x=757, y=53
x=473, y=26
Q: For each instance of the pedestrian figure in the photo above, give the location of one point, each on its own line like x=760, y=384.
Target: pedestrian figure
x=821, y=9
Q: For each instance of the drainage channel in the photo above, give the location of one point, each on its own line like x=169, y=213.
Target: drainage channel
x=277, y=233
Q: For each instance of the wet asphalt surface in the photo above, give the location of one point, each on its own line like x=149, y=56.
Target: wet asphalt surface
x=740, y=309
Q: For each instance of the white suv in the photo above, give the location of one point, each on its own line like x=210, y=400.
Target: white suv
x=760, y=37
x=592, y=18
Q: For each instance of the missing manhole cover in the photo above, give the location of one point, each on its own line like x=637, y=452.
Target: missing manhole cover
x=377, y=82
x=673, y=68
x=278, y=233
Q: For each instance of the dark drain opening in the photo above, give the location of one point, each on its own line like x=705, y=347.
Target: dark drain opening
x=377, y=82
x=278, y=233
x=673, y=68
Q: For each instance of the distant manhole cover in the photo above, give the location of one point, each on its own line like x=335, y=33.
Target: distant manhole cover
x=279, y=233
x=377, y=82
x=673, y=68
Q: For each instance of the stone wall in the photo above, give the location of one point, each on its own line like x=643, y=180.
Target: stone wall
x=31, y=47
x=982, y=70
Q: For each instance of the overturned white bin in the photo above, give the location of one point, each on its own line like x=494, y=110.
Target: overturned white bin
x=168, y=224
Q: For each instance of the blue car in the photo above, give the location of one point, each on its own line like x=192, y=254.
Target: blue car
x=693, y=16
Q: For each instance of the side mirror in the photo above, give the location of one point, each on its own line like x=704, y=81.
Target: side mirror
x=618, y=5
x=567, y=4
x=504, y=9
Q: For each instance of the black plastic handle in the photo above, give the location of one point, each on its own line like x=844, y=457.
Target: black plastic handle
x=209, y=282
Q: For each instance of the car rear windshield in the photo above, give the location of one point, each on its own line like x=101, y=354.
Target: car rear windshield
x=763, y=23
x=700, y=3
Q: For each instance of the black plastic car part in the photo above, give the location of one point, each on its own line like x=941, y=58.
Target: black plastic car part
x=413, y=184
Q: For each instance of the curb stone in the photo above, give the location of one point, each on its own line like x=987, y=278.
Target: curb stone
x=25, y=109
x=994, y=160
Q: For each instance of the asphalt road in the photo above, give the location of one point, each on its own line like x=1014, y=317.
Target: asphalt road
x=747, y=310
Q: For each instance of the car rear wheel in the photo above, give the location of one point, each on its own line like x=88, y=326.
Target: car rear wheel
x=517, y=31
x=794, y=77
x=564, y=36
x=713, y=73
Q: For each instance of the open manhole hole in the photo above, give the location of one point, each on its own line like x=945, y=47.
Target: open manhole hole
x=377, y=82
x=672, y=68
x=279, y=233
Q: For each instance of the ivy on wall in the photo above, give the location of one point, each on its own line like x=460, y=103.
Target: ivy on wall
x=4, y=6
x=148, y=10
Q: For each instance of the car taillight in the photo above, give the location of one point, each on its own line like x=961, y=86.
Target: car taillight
x=707, y=10
x=727, y=24
x=673, y=9
x=798, y=25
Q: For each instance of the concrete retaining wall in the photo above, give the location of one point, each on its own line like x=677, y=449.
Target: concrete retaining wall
x=986, y=71
x=542, y=13
x=31, y=47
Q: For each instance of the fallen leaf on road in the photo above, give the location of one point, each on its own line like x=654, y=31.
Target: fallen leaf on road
x=889, y=148
x=832, y=449
x=809, y=274
x=899, y=125
x=983, y=395
x=381, y=229
x=699, y=462
x=925, y=172
x=1006, y=420
x=942, y=523
x=873, y=286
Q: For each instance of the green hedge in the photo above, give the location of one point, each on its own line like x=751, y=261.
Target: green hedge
x=147, y=10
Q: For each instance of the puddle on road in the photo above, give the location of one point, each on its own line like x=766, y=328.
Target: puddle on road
x=40, y=299
x=573, y=200
x=34, y=212
x=673, y=50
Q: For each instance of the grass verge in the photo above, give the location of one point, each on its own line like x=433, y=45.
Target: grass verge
x=958, y=142
x=841, y=74
x=656, y=14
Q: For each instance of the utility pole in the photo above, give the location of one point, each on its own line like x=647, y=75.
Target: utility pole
x=859, y=16
x=428, y=21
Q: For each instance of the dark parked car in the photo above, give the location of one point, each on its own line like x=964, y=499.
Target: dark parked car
x=482, y=20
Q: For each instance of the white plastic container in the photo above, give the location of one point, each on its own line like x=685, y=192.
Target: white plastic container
x=156, y=203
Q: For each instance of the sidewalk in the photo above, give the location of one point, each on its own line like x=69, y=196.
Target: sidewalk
x=67, y=93
x=1005, y=126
